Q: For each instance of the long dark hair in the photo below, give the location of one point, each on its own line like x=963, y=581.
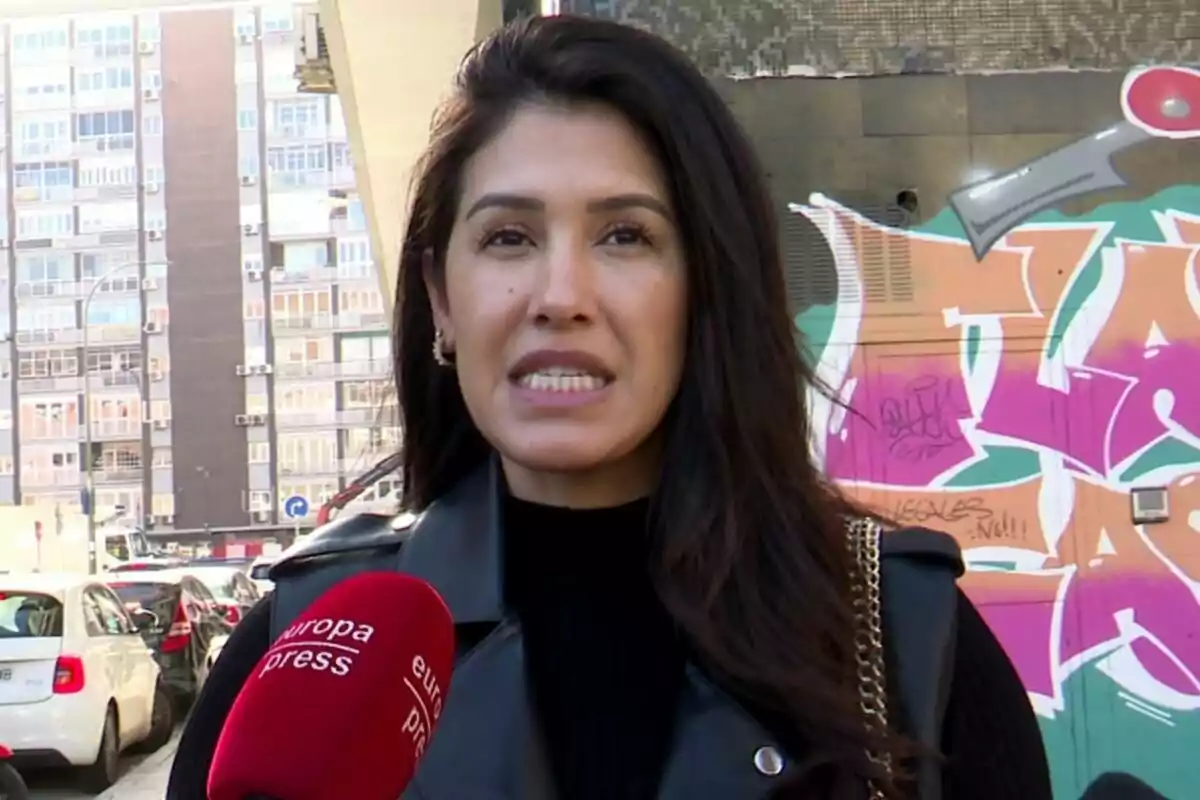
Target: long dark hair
x=753, y=560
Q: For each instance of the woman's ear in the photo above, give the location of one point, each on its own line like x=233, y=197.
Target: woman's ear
x=435, y=287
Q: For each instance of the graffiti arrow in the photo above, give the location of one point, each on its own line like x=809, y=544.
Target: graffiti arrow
x=1158, y=103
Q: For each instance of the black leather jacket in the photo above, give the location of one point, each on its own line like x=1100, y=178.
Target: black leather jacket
x=487, y=745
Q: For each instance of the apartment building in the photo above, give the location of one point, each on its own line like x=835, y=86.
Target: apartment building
x=190, y=299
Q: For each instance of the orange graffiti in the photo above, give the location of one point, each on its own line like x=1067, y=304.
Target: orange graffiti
x=910, y=281
x=1055, y=256
x=1188, y=229
x=1154, y=291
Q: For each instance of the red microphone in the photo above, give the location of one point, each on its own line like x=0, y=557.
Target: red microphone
x=362, y=672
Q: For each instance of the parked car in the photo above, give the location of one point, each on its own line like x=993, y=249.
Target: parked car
x=151, y=563
x=189, y=620
x=235, y=593
x=78, y=685
x=12, y=785
x=241, y=562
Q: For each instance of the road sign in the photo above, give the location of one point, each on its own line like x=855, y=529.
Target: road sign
x=295, y=506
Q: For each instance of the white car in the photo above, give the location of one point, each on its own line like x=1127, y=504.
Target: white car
x=78, y=685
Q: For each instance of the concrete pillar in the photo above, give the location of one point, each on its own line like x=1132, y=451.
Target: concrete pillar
x=393, y=63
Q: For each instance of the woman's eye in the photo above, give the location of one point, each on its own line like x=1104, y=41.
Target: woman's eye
x=626, y=236
x=507, y=238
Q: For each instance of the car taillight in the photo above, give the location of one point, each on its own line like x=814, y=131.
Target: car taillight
x=179, y=634
x=232, y=613
x=68, y=675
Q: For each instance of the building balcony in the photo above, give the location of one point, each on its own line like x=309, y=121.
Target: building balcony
x=51, y=478
x=281, y=276
x=108, y=430
x=122, y=143
x=337, y=370
x=280, y=134
x=88, y=194
x=48, y=289
x=49, y=383
x=73, y=337
x=330, y=469
x=117, y=474
x=27, y=195
x=350, y=417
x=43, y=150
x=346, y=322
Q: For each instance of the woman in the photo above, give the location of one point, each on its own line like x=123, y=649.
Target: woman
x=599, y=381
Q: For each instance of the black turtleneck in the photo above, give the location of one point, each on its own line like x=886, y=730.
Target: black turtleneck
x=604, y=662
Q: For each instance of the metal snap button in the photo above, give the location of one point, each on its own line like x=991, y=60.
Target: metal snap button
x=768, y=761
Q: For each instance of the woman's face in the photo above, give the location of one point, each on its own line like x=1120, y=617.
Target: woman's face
x=563, y=301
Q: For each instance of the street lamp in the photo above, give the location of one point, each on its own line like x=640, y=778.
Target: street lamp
x=89, y=486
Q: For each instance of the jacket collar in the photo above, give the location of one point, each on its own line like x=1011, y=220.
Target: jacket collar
x=457, y=547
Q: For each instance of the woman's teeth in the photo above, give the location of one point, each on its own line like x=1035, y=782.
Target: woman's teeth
x=561, y=381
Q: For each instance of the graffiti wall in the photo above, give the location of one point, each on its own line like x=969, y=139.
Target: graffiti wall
x=1014, y=392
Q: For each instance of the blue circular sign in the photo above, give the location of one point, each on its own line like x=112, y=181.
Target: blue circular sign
x=295, y=506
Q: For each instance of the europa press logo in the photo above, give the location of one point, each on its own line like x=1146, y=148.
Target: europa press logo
x=320, y=645
x=422, y=683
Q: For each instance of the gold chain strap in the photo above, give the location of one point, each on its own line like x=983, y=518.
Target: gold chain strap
x=868, y=634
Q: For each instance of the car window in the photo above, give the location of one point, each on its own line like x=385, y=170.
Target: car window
x=158, y=598
x=244, y=589
x=111, y=622
x=112, y=609
x=196, y=599
x=93, y=619
x=29, y=615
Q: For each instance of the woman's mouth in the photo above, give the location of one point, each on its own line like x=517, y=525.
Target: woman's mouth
x=562, y=379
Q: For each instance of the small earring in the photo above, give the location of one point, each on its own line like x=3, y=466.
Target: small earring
x=439, y=349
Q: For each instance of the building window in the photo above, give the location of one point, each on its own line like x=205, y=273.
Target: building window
x=109, y=130
x=45, y=267
x=254, y=309
x=50, y=419
x=115, y=312
x=96, y=172
x=366, y=394
x=46, y=317
x=96, y=265
x=248, y=165
x=354, y=252
x=35, y=138
x=100, y=217
x=152, y=123
x=160, y=409
x=162, y=504
x=305, y=256
x=360, y=300
x=277, y=19
x=122, y=360
x=304, y=351
x=301, y=165
x=300, y=118
x=303, y=399
x=49, y=175
x=288, y=306
x=40, y=40
x=247, y=119
x=340, y=157
x=369, y=442
x=103, y=80
x=48, y=224
x=47, y=364
x=149, y=28
x=32, y=84
x=129, y=501
x=259, y=452
x=257, y=404
x=106, y=41
x=307, y=454
x=252, y=262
